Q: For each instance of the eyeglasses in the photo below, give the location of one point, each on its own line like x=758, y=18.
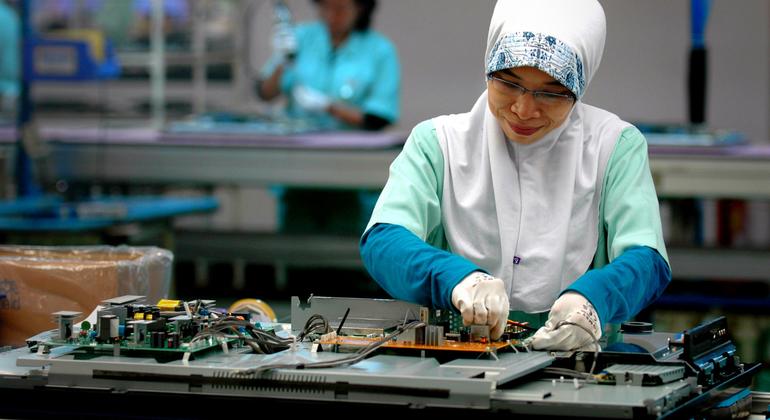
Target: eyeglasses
x=542, y=98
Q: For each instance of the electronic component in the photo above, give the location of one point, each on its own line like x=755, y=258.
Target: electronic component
x=65, y=320
x=348, y=343
x=434, y=335
x=122, y=300
x=107, y=329
x=140, y=331
x=636, y=327
x=125, y=324
x=480, y=333
x=644, y=375
x=704, y=338
x=431, y=360
x=170, y=305
x=368, y=321
x=710, y=350
x=735, y=406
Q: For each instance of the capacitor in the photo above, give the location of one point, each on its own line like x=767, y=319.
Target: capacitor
x=137, y=335
x=105, y=327
x=465, y=335
x=114, y=328
x=419, y=335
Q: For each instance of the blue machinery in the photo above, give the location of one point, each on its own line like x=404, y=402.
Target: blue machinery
x=70, y=60
x=52, y=60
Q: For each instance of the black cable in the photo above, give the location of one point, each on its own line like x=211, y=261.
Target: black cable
x=260, y=341
x=352, y=359
x=316, y=324
x=344, y=317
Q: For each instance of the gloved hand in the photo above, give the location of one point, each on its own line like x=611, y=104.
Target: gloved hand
x=284, y=41
x=311, y=99
x=482, y=300
x=559, y=334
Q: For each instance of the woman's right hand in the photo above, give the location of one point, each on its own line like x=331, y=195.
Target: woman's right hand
x=284, y=42
x=482, y=300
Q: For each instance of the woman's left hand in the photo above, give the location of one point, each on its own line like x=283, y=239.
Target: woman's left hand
x=572, y=324
x=310, y=99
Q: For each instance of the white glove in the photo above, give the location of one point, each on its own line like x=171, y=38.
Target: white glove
x=482, y=300
x=284, y=41
x=559, y=334
x=311, y=99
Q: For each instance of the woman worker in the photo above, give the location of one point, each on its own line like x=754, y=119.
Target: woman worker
x=532, y=201
x=337, y=74
x=337, y=71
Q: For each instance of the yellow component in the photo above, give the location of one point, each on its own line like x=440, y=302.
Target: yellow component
x=260, y=310
x=148, y=316
x=168, y=304
x=92, y=37
x=139, y=316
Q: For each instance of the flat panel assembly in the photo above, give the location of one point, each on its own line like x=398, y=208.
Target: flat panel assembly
x=645, y=374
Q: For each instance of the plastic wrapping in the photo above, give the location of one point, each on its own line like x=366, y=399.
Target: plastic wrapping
x=38, y=281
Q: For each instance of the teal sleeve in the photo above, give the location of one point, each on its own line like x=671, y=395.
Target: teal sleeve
x=411, y=270
x=384, y=97
x=627, y=285
x=404, y=247
x=629, y=210
x=411, y=197
x=631, y=266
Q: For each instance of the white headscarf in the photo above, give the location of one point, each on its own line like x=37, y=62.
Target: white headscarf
x=529, y=213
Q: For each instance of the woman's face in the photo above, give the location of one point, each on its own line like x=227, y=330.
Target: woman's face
x=339, y=15
x=523, y=116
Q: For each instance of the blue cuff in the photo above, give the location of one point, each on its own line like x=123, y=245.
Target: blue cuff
x=619, y=290
x=410, y=269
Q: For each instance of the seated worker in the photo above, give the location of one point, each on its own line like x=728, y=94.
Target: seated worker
x=340, y=74
x=532, y=201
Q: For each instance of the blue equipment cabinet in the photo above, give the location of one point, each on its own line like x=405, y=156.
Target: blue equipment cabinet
x=56, y=59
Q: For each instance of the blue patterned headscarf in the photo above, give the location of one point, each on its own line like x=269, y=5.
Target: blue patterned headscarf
x=563, y=38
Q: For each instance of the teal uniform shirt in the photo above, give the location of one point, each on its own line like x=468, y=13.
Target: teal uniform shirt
x=628, y=210
x=363, y=72
x=9, y=51
x=628, y=224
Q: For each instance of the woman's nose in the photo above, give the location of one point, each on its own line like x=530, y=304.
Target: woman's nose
x=525, y=107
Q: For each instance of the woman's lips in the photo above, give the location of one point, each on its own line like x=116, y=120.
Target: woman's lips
x=523, y=131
